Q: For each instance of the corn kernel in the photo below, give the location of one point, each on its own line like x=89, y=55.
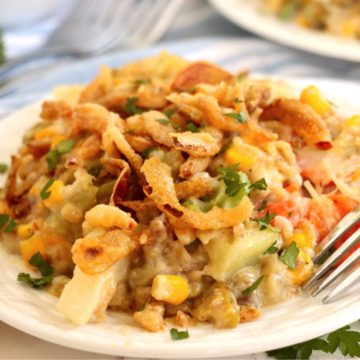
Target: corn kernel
x=56, y=139
x=24, y=231
x=304, y=268
x=241, y=154
x=302, y=240
x=56, y=196
x=48, y=132
x=349, y=27
x=352, y=121
x=312, y=97
x=302, y=21
x=172, y=289
x=355, y=175
x=31, y=246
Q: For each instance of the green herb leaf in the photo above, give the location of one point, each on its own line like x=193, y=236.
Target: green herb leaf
x=35, y=283
x=45, y=269
x=52, y=158
x=4, y=218
x=287, y=11
x=259, y=185
x=146, y=153
x=272, y=249
x=253, y=287
x=44, y=193
x=43, y=266
x=65, y=146
x=231, y=178
x=289, y=255
x=262, y=206
x=240, y=118
x=227, y=146
x=131, y=108
x=2, y=48
x=344, y=340
x=53, y=155
x=175, y=334
x=3, y=168
x=264, y=222
x=190, y=126
x=10, y=226
x=169, y=112
x=238, y=101
x=141, y=81
x=163, y=121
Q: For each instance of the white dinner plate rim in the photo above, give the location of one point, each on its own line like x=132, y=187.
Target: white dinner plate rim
x=286, y=33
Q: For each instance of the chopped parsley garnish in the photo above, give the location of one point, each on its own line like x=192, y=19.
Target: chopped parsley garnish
x=232, y=179
x=45, y=269
x=65, y=146
x=238, y=101
x=10, y=226
x=34, y=282
x=190, y=126
x=43, y=266
x=2, y=48
x=272, y=249
x=141, y=81
x=344, y=339
x=169, y=112
x=163, y=121
x=289, y=255
x=287, y=11
x=7, y=224
x=131, y=108
x=262, y=206
x=3, y=168
x=44, y=193
x=253, y=287
x=146, y=153
x=175, y=334
x=52, y=159
x=226, y=147
x=240, y=118
x=53, y=155
x=264, y=222
x=259, y=185
x=4, y=218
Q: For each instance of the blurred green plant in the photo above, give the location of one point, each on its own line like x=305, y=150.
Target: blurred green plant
x=2, y=47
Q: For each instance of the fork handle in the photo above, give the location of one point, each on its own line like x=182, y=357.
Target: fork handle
x=20, y=60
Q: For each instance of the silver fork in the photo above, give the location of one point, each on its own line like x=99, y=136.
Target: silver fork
x=96, y=26
x=340, y=229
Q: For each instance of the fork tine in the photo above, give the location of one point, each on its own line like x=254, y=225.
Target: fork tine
x=354, y=257
x=346, y=246
x=344, y=225
x=349, y=280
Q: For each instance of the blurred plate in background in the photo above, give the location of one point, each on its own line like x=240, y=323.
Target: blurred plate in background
x=247, y=15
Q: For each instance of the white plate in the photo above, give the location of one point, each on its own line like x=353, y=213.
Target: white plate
x=246, y=14
x=295, y=321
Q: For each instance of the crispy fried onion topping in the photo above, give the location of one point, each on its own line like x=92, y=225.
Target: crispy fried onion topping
x=108, y=216
x=197, y=145
x=161, y=190
x=135, y=160
x=198, y=73
x=204, y=109
x=301, y=118
x=98, y=251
